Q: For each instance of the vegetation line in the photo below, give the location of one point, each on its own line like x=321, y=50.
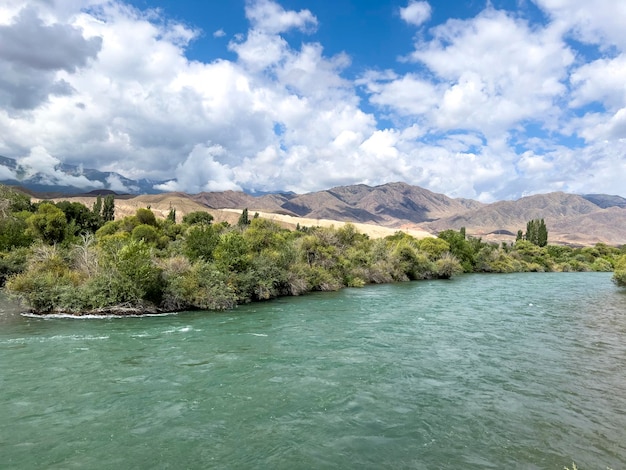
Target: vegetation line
x=68, y=258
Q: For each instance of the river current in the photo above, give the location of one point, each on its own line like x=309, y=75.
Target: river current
x=521, y=371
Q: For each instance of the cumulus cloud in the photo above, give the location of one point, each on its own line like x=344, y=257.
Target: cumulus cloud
x=31, y=54
x=600, y=81
x=416, y=13
x=202, y=171
x=481, y=107
x=496, y=70
x=600, y=22
x=271, y=18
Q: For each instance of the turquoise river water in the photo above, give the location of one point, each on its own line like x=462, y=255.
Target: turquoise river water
x=520, y=371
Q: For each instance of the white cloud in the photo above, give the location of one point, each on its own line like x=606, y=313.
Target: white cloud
x=534, y=165
x=498, y=71
x=408, y=95
x=478, y=110
x=416, y=12
x=600, y=81
x=6, y=173
x=201, y=171
x=260, y=50
x=220, y=33
x=269, y=17
x=600, y=22
x=491, y=73
x=114, y=183
x=39, y=162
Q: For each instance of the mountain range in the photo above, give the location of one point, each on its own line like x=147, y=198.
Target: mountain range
x=570, y=218
x=62, y=178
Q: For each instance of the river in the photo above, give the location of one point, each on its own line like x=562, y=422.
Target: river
x=523, y=371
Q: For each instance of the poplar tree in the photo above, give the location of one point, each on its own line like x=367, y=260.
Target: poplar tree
x=108, y=208
x=542, y=234
x=536, y=232
x=244, y=220
x=171, y=216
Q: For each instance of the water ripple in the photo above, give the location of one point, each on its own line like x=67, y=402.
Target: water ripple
x=509, y=371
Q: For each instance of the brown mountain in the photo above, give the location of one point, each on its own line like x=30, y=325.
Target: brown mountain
x=570, y=218
x=392, y=204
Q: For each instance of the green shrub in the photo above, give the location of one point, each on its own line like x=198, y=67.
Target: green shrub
x=619, y=276
x=48, y=223
x=12, y=262
x=201, y=286
x=448, y=266
x=197, y=217
x=146, y=217
x=146, y=233
x=601, y=265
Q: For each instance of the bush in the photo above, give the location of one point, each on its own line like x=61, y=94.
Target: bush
x=619, y=276
x=13, y=233
x=127, y=275
x=146, y=216
x=47, y=284
x=200, y=242
x=48, y=223
x=146, y=233
x=448, y=266
x=12, y=263
x=200, y=286
x=197, y=217
x=601, y=265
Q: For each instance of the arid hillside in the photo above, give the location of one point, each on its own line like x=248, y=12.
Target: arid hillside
x=382, y=210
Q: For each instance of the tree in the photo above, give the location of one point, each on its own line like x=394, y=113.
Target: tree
x=232, y=252
x=145, y=232
x=15, y=200
x=79, y=218
x=542, y=234
x=197, y=217
x=15, y=209
x=536, y=232
x=146, y=216
x=48, y=223
x=97, y=207
x=244, y=220
x=460, y=248
x=13, y=233
x=434, y=247
x=200, y=241
x=108, y=208
x=171, y=216
x=264, y=234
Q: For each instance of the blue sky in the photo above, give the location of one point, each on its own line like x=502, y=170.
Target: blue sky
x=485, y=100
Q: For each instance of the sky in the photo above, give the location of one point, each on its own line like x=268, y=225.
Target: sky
x=488, y=100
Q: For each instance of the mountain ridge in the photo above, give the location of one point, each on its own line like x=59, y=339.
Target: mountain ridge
x=571, y=218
